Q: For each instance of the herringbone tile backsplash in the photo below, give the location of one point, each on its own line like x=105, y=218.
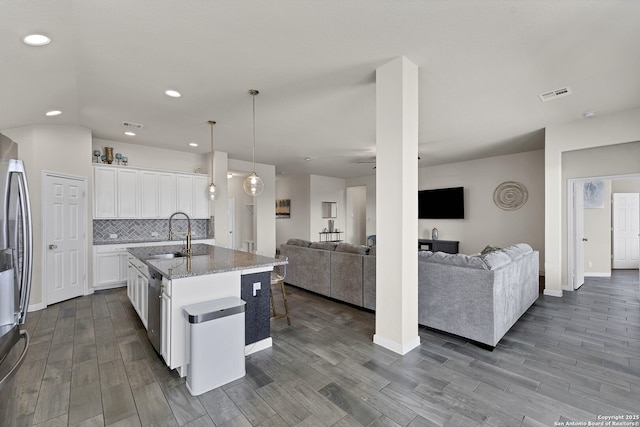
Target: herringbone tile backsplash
x=140, y=230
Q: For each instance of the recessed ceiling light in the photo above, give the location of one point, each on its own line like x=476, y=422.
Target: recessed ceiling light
x=53, y=113
x=308, y=159
x=36, y=40
x=128, y=133
x=172, y=93
x=193, y=144
x=229, y=175
x=588, y=114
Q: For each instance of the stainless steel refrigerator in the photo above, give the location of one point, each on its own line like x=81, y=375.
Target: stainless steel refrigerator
x=15, y=275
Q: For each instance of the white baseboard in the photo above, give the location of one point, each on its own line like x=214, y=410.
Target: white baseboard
x=552, y=293
x=257, y=346
x=400, y=348
x=36, y=307
x=105, y=287
x=597, y=274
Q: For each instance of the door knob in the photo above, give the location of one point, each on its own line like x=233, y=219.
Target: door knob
x=53, y=246
x=584, y=239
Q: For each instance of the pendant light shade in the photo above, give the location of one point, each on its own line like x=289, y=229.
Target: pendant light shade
x=212, y=186
x=253, y=184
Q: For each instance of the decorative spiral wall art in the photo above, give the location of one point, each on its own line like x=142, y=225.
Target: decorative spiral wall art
x=510, y=195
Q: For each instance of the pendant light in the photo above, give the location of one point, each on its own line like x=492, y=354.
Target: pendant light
x=212, y=186
x=253, y=184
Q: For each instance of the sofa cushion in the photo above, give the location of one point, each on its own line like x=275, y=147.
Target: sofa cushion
x=372, y=250
x=495, y=259
x=517, y=250
x=460, y=260
x=327, y=246
x=489, y=249
x=352, y=249
x=299, y=242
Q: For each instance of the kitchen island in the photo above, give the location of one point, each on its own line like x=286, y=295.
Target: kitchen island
x=209, y=273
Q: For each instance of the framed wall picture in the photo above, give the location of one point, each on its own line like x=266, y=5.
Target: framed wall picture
x=283, y=208
x=594, y=194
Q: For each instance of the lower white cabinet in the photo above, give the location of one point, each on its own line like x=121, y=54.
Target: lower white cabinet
x=110, y=262
x=110, y=267
x=138, y=288
x=165, y=322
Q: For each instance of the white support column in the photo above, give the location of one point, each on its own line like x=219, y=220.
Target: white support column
x=397, y=206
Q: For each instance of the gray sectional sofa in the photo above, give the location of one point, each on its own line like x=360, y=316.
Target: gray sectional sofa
x=477, y=297
x=335, y=270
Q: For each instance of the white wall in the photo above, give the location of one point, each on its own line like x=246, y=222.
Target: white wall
x=588, y=163
x=244, y=226
x=142, y=156
x=484, y=222
x=264, y=205
x=65, y=150
x=325, y=189
x=369, y=182
x=297, y=189
x=625, y=185
x=597, y=231
x=356, y=216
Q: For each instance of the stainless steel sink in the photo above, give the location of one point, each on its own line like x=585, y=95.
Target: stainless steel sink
x=168, y=255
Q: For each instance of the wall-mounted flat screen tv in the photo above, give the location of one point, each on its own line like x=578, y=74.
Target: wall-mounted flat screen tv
x=441, y=203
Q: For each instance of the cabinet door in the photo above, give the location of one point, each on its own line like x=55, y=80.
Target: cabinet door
x=128, y=206
x=200, y=204
x=184, y=194
x=104, y=192
x=144, y=300
x=149, y=194
x=131, y=281
x=108, y=268
x=166, y=194
x=165, y=320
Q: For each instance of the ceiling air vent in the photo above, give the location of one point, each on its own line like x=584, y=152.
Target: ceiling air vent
x=132, y=125
x=554, y=94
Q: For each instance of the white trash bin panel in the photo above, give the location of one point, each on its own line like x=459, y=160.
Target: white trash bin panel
x=215, y=343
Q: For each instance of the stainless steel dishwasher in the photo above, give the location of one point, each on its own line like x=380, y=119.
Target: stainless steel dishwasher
x=154, y=331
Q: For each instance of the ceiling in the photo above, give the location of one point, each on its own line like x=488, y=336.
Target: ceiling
x=481, y=65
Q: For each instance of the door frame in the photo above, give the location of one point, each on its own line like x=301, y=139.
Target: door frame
x=570, y=231
x=43, y=203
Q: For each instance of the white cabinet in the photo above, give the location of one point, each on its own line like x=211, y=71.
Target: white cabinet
x=104, y=192
x=165, y=321
x=166, y=194
x=148, y=194
x=111, y=262
x=200, y=191
x=110, y=267
x=128, y=201
x=192, y=196
x=124, y=192
x=138, y=287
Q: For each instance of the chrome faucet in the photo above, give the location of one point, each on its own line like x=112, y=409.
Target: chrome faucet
x=186, y=250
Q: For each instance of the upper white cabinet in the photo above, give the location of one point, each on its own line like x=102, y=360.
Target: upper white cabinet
x=105, y=181
x=128, y=200
x=192, y=195
x=124, y=192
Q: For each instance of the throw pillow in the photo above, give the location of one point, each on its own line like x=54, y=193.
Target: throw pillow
x=488, y=249
x=327, y=246
x=299, y=242
x=352, y=249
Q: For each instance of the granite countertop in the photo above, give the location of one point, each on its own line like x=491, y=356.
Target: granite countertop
x=205, y=259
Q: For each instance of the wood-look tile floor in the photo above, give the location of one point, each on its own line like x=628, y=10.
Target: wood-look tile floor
x=571, y=358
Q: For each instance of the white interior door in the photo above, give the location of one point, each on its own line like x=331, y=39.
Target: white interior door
x=66, y=240
x=626, y=223
x=356, y=215
x=578, y=234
